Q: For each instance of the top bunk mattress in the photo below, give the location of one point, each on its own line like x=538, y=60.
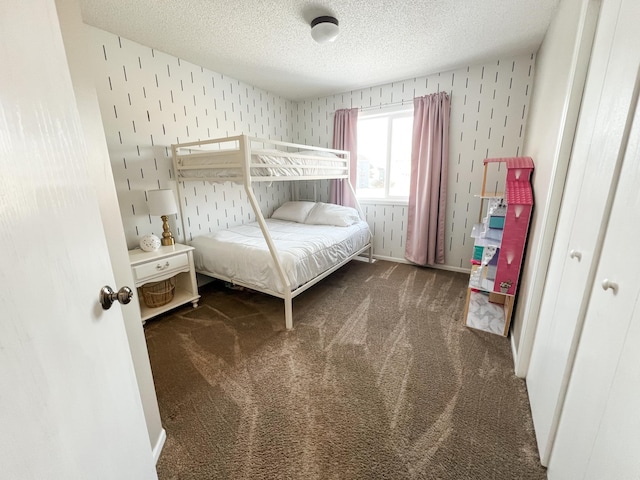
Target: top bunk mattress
x=241, y=255
x=267, y=163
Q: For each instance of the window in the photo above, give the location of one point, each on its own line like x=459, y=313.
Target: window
x=384, y=154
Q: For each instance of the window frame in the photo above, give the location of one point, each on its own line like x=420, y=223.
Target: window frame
x=390, y=114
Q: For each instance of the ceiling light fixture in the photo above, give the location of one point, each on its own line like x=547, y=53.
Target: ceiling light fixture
x=324, y=29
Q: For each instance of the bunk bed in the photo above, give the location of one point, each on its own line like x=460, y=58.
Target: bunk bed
x=302, y=243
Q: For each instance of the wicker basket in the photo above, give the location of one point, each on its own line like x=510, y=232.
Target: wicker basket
x=156, y=294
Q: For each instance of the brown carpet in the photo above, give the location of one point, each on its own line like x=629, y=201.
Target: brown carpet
x=378, y=379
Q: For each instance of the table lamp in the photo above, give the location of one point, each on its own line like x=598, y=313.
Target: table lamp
x=162, y=203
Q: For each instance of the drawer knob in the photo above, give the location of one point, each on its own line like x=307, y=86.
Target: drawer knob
x=575, y=254
x=162, y=267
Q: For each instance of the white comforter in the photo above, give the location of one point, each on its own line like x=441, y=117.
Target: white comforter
x=241, y=253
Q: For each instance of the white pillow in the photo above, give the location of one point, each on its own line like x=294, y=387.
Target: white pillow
x=319, y=153
x=331, y=214
x=293, y=211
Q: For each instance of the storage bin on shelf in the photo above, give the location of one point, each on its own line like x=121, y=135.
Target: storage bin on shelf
x=486, y=249
x=496, y=211
x=157, y=294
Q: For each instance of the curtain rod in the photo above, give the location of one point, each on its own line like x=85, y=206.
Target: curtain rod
x=385, y=105
x=382, y=105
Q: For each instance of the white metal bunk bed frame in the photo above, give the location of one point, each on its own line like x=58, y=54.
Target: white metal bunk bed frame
x=242, y=161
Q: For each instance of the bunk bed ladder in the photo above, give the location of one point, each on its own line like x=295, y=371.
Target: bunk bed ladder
x=287, y=297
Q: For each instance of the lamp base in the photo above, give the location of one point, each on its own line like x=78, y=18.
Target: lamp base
x=167, y=236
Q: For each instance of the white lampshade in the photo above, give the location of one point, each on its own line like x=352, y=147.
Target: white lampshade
x=324, y=29
x=161, y=202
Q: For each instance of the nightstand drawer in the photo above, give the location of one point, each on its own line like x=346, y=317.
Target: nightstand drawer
x=162, y=267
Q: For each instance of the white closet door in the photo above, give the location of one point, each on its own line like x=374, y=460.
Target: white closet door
x=599, y=430
x=593, y=170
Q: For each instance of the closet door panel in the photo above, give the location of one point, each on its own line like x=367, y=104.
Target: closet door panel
x=599, y=431
x=593, y=170
x=615, y=451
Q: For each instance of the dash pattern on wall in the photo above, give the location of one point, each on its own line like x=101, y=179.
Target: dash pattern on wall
x=150, y=100
x=489, y=107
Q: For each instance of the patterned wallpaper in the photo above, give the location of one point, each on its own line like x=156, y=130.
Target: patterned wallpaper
x=489, y=106
x=150, y=100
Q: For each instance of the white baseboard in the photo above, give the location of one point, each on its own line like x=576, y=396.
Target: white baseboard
x=514, y=352
x=437, y=267
x=157, y=449
x=451, y=269
x=203, y=279
x=391, y=259
x=363, y=259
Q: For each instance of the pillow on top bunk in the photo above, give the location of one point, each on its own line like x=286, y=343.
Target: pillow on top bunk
x=319, y=153
x=331, y=214
x=293, y=211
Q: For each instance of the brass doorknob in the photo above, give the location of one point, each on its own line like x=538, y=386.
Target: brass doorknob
x=108, y=296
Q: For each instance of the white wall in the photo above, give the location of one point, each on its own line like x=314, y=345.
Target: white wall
x=489, y=107
x=561, y=67
x=150, y=100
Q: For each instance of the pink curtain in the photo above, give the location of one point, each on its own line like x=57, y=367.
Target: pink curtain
x=345, y=129
x=428, y=191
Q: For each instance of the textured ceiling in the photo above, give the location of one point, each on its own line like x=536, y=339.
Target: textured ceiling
x=267, y=43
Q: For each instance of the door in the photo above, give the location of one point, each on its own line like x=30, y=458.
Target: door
x=599, y=430
x=605, y=116
x=76, y=42
x=69, y=403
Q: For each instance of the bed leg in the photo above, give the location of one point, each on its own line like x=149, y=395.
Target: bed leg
x=288, y=313
x=371, y=254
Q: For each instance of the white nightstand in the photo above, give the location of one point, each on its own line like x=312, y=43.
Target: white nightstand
x=164, y=263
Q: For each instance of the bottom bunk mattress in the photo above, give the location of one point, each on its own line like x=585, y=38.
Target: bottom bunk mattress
x=241, y=255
